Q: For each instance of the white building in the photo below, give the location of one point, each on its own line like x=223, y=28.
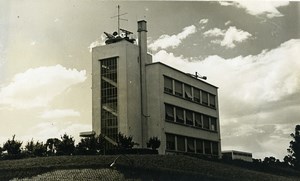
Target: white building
x=237, y=155
x=138, y=98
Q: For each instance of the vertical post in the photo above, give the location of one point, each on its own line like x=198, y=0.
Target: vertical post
x=142, y=32
x=118, y=19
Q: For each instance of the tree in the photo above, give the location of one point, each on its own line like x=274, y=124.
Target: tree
x=294, y=149
x=12, y=147
x=153, y=143
x=124, y=141
x=35, y=149
x=66, y=145
x=51, y=146
x=90, y=145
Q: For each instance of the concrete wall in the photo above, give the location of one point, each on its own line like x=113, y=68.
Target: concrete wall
x=128, y=82
x=156, y=105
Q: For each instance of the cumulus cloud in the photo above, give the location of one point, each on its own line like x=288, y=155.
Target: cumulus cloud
x=59, y=113
x=203, y=21
x=165, y=41
x=97, y=43
x=258, y=94
x=231, y=36
x=268, y=8
x=36, y=87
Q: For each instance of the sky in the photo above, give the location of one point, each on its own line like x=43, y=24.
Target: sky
x=249, y=49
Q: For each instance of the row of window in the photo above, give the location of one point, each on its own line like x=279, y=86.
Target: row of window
x=190, y=118
x=188, y=92
x=191, y=145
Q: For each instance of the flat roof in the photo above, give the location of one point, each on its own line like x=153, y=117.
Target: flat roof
x=186, y=74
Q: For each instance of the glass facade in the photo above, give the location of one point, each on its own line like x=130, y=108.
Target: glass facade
x=109, y=98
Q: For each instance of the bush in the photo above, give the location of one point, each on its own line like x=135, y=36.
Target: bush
x=66, y=145
x=153, y=143
x=35, y=149
x=51, y=146
x=125, y=142
x=13, y=148
x=90, y=146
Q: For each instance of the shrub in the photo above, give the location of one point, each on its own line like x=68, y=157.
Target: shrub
x=90, y=146
x=125, y=142
x=51, y=146
x=13, y=148
x=35, y=149
x=153, y=143
x=66, y=145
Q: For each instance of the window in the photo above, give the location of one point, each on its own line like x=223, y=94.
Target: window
x=199, y=146
x=207, y=147
x=179, y=115
x=213, y=124
x=178, y=89
x=169, y=110
x=170, y=140
x=198, y=122
x=212, y=100
x=215, y=150
x=188, y=92
x=205, y=122
x=189, y=117
x=168, y=85
x=190, y=145
x=109, y=98
x=180, y=143
x=204, y=98
x=196, y=95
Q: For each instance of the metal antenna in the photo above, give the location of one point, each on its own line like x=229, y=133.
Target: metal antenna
x=118, y=16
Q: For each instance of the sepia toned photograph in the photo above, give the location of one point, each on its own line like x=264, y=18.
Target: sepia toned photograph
x=149, y=90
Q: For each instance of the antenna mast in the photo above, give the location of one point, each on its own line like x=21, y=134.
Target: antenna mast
x=118, y=16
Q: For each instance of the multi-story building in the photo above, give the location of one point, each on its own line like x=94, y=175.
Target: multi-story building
x=138, y=98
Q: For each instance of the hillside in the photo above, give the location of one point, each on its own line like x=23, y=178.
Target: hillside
x=137, y=167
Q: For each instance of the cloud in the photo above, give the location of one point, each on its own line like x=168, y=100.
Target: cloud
x=165, y=41
x=268, y=8
x=259, y=95
x=214, y=32
x=230, y=36
x=36, y=87
x=59, y=113
x=203, y=21
x=227, y=23
x=97, y=42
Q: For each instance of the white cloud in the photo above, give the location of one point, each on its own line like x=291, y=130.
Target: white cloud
x=165, y=41
x=203, y=21
x=269, y=8
x=214, y=32
x=258, y=95
x=97, y=43
x=36, y=87
x=230, y=36
x=227, y=23
x=59, y=113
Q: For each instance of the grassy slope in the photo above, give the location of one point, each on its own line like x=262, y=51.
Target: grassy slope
x=148, y=167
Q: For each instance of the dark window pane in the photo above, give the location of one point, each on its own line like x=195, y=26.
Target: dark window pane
x=190, y=145
x=178, y=88
x=215, y=148
x=196, y=95
x=188, y=92
x=204, y=98
x=170, y=142
x=199, y=146
x=189, y=117
x=168, y=85
x=205, y=122
x=198, y=121
x=212, y=100
x=180, y=143
x=169, y=112
x=213, y=124
x=179, y=115
x=207, y=147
